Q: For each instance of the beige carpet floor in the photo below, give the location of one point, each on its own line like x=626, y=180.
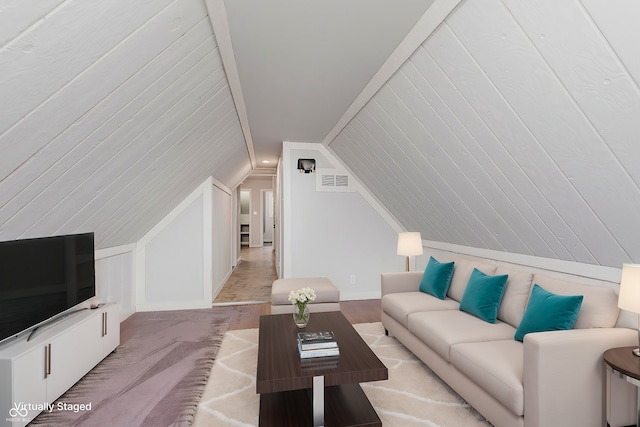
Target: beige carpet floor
x=412, y=396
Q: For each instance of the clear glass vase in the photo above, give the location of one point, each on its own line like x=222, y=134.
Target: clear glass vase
x=301, y=316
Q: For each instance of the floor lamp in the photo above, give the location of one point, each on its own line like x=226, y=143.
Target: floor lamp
x=629, y=297
x=409, y=244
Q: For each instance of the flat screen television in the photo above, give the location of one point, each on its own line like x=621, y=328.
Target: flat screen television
x=42, y=278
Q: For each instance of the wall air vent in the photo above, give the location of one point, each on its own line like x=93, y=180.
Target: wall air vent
x=334, y=180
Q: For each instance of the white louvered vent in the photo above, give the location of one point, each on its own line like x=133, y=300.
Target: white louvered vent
x=334, y=180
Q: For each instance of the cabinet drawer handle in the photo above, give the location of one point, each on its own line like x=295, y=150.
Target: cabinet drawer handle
x=104, y=324
x=47, y=360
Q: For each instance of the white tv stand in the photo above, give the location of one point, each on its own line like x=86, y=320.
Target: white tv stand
x=36, y=372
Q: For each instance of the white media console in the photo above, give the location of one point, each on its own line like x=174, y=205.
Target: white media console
x=36, y=372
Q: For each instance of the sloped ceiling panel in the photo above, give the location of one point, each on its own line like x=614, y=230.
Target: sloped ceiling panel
x=112, y=113
x=302, y=62
x=514, y=127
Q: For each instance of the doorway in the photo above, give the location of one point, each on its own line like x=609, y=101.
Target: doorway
x=245, y=216
x=266, y=200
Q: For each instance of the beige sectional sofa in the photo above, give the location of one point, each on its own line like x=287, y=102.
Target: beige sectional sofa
x=550, y=379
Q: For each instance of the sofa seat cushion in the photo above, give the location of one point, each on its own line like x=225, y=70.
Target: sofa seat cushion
x=495, y=366
x=401, y=305
x=441, y=329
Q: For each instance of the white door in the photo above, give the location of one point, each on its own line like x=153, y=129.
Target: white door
x=267, y=214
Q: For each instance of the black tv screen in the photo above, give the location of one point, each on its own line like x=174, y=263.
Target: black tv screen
x=43, y=277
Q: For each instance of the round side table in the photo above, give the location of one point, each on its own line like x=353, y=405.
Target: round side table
x=621, y=361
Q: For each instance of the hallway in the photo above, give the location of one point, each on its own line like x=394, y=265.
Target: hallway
x=250, y=281
x=247, y=294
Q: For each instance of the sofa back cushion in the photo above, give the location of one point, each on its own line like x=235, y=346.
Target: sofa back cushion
x=462, y=273
x=516, y=295
x=599, y=306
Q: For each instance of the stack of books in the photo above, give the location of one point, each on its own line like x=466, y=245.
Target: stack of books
x=317, y=344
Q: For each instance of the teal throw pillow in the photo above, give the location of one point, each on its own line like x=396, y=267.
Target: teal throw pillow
x=547, y=311
x=437, y=278
x=483, y=295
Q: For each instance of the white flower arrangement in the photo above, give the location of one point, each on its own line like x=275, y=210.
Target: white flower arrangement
x=302, y=296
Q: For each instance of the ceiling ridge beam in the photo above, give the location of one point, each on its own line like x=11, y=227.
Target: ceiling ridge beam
x=432, y=18
x=220, y=24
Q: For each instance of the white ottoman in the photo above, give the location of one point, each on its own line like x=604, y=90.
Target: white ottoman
x=327, y=295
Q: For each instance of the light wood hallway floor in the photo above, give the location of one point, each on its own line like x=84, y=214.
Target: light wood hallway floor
x=251, y=280
x=247, y=294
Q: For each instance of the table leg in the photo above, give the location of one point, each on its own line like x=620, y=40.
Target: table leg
x=636, y=383
x=318, y=401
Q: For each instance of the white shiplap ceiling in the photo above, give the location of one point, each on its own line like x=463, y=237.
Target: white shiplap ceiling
x=301, y=63
x=512, y=125
x=113, y=112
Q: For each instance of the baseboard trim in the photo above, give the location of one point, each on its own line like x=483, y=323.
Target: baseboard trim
x=355, y=296
x=226, y=304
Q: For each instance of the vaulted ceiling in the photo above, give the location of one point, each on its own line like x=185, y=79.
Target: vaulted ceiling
x=513, y=127
x=508, y=125
x=112, y=112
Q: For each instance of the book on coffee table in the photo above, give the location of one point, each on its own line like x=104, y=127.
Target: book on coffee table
x=317, y=345
x=316, y=340
x=320, y=362
x=320, y=352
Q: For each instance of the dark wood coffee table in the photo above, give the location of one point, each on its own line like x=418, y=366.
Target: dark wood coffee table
x=295, y=395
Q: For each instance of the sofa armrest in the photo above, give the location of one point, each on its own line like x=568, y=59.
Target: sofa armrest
x=406, y=281
x=564, y=375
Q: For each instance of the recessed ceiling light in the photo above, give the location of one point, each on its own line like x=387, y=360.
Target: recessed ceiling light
x=265, y=161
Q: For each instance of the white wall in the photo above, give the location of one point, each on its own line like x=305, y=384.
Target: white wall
x=279, y=218
x=235, y=227
x=174, y=260
x=608, y=276
x=222, y=237
x=337, y=235
x=182, y=263
x=115, y=278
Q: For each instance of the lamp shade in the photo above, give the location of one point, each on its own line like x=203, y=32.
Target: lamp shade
x=409, y=243
x=629, y=297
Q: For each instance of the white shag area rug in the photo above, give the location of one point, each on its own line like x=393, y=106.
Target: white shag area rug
x=413, y=396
